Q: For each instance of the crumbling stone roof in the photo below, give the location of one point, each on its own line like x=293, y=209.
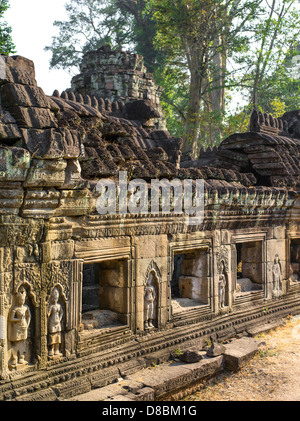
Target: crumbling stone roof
x=72, y=140
x=268, y=154
x=270, y=150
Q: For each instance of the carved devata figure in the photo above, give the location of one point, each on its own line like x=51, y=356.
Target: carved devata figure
x=277, y=276
x=149, y=303
x=19, y=320
x=55, y=315
x=222, y=286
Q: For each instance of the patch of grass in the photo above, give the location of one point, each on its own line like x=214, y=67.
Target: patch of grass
x=208, y=343
x=263, y=353
x=178, y=352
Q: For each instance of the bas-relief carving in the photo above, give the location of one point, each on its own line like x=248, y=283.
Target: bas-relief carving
x=149, y=303
x=128, y=229
x=277, y=277
x=40, y=280
x=153, y=268
x=6, y=278
x=222, y=271
x=222, y=259
x=55, y=315
x=58, y=273
x=20, y=232
x=18, y=323
x=29, y=254
x=151, y=295
x=222, y=286
x=44, y=277
x=6, y=259
x=29, y=274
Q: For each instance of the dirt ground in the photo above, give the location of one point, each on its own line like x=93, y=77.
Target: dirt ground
x=272, y=375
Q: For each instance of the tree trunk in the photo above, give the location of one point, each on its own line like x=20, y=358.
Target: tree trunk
x=192, y=117
x=192, y=121
x=218, y=91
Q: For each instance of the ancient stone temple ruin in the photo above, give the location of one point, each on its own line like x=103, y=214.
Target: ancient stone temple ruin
x=88, y=296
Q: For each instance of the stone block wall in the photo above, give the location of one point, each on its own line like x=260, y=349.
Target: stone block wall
x=118, y=75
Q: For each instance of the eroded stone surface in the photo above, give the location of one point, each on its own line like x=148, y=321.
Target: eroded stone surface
x=240, y=351
x=149, y=283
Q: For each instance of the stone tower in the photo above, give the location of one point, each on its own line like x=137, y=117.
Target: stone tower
x=118, y=76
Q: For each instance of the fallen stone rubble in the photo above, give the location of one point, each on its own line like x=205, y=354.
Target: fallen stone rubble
x=158, y=382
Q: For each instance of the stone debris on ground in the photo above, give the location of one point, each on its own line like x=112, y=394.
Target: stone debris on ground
x=191, y=366
x=264, y=368
x=271, y=375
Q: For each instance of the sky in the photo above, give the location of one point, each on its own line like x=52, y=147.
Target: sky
x=32, y=29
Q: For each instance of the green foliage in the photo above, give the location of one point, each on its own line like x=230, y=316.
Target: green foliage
x=274, y=33
x=178, y=352
x=265, y=72
x=264, y=353
x=208, y=342
x=281, y=91
x=143, y=31
x=90, y=25
x=200, y=52
x=174, y=99
x=215, y=127
x=200, y=37
x=6, y=44
x=123, y=24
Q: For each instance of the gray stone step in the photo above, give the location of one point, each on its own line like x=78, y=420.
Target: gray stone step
x=240, y=351
x=153, y=383
x=256, y=330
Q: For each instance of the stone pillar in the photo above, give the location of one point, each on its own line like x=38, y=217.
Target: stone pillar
x=222, y=266
x=152, y=256
x=43, y=332
x=6, y=283
x=66, y=275
x=276, y=255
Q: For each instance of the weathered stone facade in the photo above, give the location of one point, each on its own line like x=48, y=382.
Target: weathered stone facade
x=119, y=78
x=85, y=297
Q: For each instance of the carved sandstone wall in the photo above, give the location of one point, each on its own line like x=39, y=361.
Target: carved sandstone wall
x=53, y=150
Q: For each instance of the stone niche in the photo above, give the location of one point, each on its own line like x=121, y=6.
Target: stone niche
x=190, y=279
x=104, y=294
x=294, y=274
x=21, y=339
x=249, y=266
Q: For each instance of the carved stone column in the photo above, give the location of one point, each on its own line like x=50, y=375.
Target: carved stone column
x=28, y=275
x=6, y=285
x=3, y=339
x=67, y=276
x=223, y=271
x=43, y=332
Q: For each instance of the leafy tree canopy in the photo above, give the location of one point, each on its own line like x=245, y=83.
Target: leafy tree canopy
x=6, y=44
x=203, y=53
